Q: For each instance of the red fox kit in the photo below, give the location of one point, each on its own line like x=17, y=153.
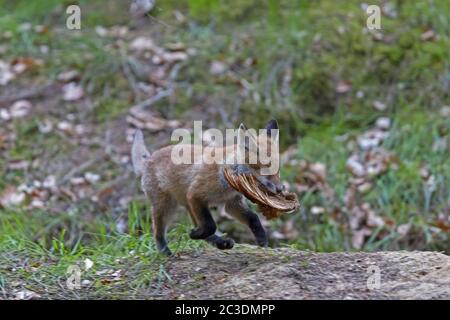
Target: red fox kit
x=199, y=186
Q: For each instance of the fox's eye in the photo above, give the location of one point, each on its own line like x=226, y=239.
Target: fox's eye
x=270, y=185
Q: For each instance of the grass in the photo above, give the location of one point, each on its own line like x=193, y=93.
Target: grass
x=32, y=260
x=285, y=59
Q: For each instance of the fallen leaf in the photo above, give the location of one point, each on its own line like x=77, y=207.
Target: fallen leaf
x=6, y=74
x=317, y=210
x=88, y=263
x=141, y=7
x=364, y=187
x=65, y=126
x=383, y=123
x=374, y=221
x=355, y=167
x=359, y=237
x=86, y=282
x=428, y=35
x=176, y=46
x=41, y=29
x=118, y=31
x=36, y=203
x=77, y=181
x=379, y=106
x=143, y=119
x=174, y=56
x=122, y=226
x=143, y=44
x=26, y=295
x=68, y=75
x=217, y=67
x=389, y=10
x=101, y=31
x=11, y=197
x=72, y=91
x=445, y=111
x=343, y=86
x=45, y=126
x=22, y=64
x=403, y=229
x=5, y=115
x=3, y=141
x=92, y=178
x=18, y=164
x=20, y=108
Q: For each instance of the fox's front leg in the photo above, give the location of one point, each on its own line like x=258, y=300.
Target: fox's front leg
x=202, y=218
x=241, y=211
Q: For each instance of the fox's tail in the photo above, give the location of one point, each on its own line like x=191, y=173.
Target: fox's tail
x=139, y=153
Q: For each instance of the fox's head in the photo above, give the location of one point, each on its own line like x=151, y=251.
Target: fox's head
x=260, y=154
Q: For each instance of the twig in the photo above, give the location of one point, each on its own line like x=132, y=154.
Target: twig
x=85, y=165
x=225, y=118
x=26, y=94
x=270, y=80
x=128, y=73
x=159, y=96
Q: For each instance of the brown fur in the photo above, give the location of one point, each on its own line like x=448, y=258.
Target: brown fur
x=194, y=186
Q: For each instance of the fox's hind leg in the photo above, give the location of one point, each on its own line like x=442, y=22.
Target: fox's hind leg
x=163, y=209
x=241, y=211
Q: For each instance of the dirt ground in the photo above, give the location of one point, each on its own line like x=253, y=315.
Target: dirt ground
x=247, y=272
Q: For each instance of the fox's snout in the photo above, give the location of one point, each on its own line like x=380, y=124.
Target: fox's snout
x=274, y=187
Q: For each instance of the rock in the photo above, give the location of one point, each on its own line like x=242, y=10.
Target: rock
x=253, y=273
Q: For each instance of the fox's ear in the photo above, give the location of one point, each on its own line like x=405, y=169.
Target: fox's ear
x=242, y=127
x=271, y=125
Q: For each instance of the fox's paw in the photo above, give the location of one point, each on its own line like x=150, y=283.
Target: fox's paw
x=262, y=241
x=201, y=233
x=220, y=243
x=165, y=250
x=162, y=246
x=224, y=244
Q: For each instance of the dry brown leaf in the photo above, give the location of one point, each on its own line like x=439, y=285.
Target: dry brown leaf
x=404, y=229
x=11, y=197
x=3, y=141
x=445, y=111
x=217, y=67
x=18, y=164
x=379, y=106
x=88, y=263
x=6, y=73
x=20, y=108
x=143, y=119
x=428, y=35
x=171, y=57
x=22, y=64
x=343, y=86
x=359, y=237
x=317, y=210
x=143, y=44
x=72, y=91
x=383, y=123
x=26, y=295
x=141, y=7
x=69, y=75
x=443, y=225
x=354, y=165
